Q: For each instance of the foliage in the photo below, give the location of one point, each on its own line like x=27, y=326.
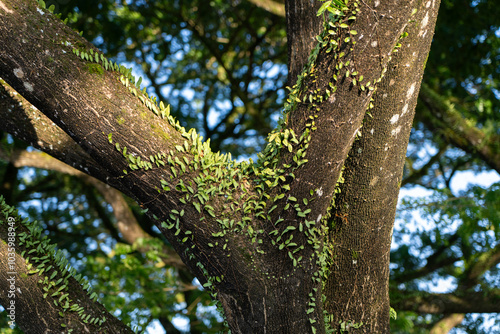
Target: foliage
x=221, y=64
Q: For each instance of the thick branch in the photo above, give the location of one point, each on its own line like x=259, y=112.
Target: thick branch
x=447, y=119
x=126, y=222
x=363, y=216
x=24, y=121
x=271, y=6
x=37, y=292
x=86, y=102
x=445, y=325
x=435, y=303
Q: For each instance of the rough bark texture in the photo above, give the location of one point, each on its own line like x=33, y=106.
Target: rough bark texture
x=21, y=119
x=364, y=212
x=357, y=288
x=233, y=242
x=300, y=34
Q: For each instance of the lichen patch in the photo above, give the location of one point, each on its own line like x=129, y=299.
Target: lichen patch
x=425, y=21
x=395, y=131
x=28, y=86
x=374, y=181
x=410, y=91
x=394, y=118
x=4, y=8
x=19, y=73
x=405, y=109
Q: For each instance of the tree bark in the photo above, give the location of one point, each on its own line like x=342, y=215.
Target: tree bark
x=254, y=234
x=24, y=121
x=364, y=212
x=362, y=220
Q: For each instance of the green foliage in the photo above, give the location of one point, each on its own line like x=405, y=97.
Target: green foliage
x=405, y=324
x=140, y=287
x=51, y=265
x=221, y=66
x=135, y=286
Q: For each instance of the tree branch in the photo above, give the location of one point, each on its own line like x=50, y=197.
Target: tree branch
x=24, y=121
x=435, y=303
x=447, y=119
x=38, y=290
x=447, y=323
x=271, y=6
x=362, y=218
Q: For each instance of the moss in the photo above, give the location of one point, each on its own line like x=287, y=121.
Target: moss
x=94, y=68
x=144, y=115
x=160, y=133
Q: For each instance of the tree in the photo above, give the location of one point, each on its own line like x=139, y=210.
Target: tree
x=332, y=97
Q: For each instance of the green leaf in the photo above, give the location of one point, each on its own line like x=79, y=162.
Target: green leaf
x=393, y=313
x=323, y=7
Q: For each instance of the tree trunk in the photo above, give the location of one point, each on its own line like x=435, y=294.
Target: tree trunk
x=255, y=234
x=363, y=217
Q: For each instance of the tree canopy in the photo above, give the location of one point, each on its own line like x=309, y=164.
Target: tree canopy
x=222, y=67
